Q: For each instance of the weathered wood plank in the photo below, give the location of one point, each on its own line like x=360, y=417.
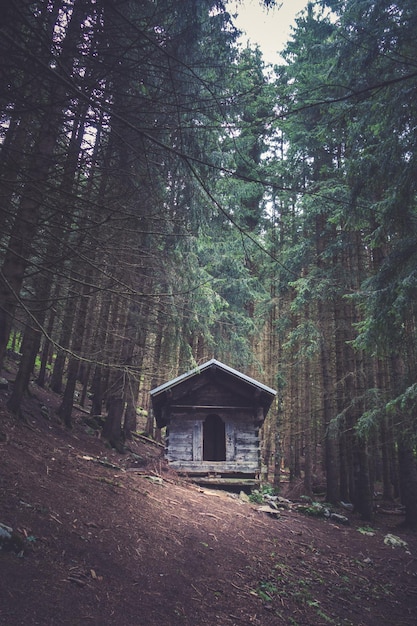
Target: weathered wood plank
x=175, y=457
x=215, y=467
x=246, y=442
x=247, y=458
x=227, y=481
x=181, y=452
x=230, y=440
x=180, y=424
x=211, y=407
x=185, y=438
x=242, y=450
x=198, y=441
x=246, y=437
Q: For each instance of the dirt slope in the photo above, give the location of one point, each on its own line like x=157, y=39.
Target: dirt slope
x=109, y=539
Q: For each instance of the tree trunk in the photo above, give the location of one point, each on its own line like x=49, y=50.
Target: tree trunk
x=17, y=256
x=129, y=424
x=112, y=429
x=65, y=409
x=101, y=341
x=331, y=442
x=30, y=347
x=363, y=493
x=307, y=430
x=408, y=480
x=64, y=343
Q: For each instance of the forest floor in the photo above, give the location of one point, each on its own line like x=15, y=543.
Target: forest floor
x=113, y=539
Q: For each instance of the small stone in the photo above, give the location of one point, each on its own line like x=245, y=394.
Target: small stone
x=340, y=519
x=394, y=541
x=157, y=480
x=9, y=540
x=267, y=509
x=5, y=532
x=283, y=503
x=45, y=412
x=4, y=384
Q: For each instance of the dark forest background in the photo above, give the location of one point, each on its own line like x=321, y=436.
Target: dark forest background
x=166, y=198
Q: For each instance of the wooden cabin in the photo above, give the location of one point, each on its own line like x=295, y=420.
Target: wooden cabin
x=213, y=415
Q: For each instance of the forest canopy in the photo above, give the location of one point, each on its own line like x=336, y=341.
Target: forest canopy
x=166, y=198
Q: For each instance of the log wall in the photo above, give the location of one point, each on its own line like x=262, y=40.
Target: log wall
x=185, y=444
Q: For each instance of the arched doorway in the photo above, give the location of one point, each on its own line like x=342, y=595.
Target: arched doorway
x=214, y=439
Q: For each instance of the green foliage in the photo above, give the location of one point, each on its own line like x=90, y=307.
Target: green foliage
x=313, y=509
x=257, y=495
x=304, y=340
x=281, y=585
x=17, y=340
x=366, y=530
x=266, y=590
x=231, y=291
x=246, y=144
x=369, y=420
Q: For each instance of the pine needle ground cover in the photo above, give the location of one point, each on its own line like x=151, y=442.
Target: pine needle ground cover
x=111, y=539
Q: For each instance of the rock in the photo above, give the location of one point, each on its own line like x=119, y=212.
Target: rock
x=244, y=497
x=315, y=509
x=394, y=541
x=5, y=534
x=45, y=412
x=4, y=384
x=11, y=541
x=340, y=519
x=267, y=509
x=273, y=505
x=157, y=480
x=137, y=458
x=278, y=502
x=284, y=500
x=368, y=532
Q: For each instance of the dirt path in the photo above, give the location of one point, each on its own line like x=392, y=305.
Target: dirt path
x=117, y=540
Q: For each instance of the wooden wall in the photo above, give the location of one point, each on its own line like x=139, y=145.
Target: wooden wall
x=185, y=444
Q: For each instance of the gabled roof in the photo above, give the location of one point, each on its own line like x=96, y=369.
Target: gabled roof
x=213, y=363
x=187, y=384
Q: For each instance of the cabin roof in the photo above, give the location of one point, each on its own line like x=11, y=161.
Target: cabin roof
x=213, y=363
